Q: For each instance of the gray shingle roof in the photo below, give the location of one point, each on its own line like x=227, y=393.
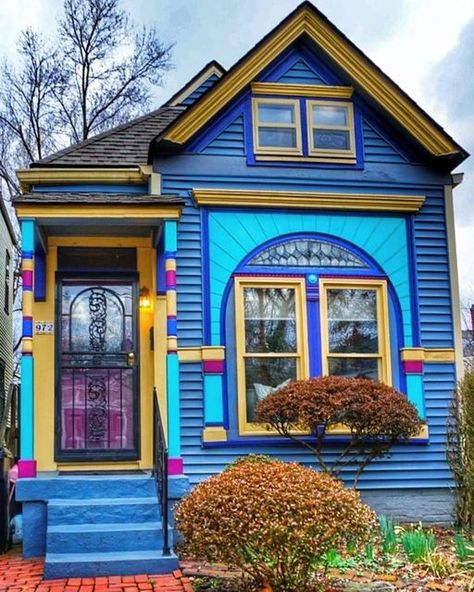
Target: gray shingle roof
x=125, y=145
x=96, y=198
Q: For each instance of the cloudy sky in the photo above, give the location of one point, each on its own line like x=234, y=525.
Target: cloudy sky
x=426, y=46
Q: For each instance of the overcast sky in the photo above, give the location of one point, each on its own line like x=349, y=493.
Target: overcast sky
x=426, y=46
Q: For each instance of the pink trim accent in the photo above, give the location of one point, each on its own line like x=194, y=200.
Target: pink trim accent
x=26, y=469
x=27, y=276
x=171, y=279
x=213, y=366
x=175, y=466
x=413, y=367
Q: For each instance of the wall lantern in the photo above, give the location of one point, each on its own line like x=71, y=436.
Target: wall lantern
x=144, y=299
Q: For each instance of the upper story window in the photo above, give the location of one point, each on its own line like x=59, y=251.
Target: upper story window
x=331, y=128
x=277, y=126
x=302, y=129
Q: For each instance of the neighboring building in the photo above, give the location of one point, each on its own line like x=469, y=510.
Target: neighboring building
x=288, y=218
x=468, y=342
x=7, y=266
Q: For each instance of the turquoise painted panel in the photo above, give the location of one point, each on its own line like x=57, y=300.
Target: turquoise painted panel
x=300, y=73
x=194, y=96
x=230, y=142
x=172, y=393
x=415, y=393
x=28, y=236
x=27, y=409
x=171, y=244
x=213, y=408
x=232, y=237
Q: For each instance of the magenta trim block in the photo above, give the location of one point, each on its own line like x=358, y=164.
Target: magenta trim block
x=26, y=469
x=27, y=277
x=213, y=366
x=413, y=367
x=175, y=466
x=171, y=279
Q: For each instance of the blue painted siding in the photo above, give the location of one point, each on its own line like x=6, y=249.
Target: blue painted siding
x=230, y=142
x=301, y=73
x=194, y=96
x=377, y=148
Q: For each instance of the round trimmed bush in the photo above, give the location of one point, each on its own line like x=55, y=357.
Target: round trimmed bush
x=273, y=520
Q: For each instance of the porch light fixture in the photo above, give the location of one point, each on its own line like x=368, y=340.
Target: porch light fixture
x=144, y=300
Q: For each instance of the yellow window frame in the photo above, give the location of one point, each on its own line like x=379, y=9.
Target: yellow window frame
x=331, y=153
x=383, y=354
x=301, y=354
x=296, y=125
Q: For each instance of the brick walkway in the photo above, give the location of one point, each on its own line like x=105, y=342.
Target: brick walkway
x=21, y=575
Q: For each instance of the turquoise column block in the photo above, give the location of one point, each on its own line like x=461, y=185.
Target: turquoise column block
x=171, y=236
x=27, y=408
x=172, y=391
x=213, y=405
x=416, y=393
x=28, y=236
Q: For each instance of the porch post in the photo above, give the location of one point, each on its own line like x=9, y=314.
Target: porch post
x=27, y=464
x=175, y=461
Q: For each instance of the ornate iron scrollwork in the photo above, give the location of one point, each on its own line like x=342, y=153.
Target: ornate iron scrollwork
x=98, y=316
x=97, y=409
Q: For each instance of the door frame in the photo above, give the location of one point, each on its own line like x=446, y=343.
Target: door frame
x=99, y=455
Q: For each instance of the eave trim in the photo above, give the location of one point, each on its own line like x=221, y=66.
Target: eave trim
x=104, y=211
x=357, y=66
x=308, y=200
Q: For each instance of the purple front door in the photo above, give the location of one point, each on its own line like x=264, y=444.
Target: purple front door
x=97, y=378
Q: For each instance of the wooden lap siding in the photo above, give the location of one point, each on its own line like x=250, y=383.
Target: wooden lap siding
x=6, y=323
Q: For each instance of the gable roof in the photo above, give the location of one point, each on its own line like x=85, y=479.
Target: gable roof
x=308, y=22
x=210, y=69
x=124, y=145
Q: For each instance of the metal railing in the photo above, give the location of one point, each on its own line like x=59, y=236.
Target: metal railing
x=160, y=469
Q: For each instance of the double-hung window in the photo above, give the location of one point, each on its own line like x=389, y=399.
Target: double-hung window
x=331, y=129
x=271, y=347
x=277, y=126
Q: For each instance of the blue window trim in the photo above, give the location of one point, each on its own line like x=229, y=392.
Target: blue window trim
x=313, y=327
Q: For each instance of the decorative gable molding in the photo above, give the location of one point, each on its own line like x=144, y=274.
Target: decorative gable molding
x=302, y=90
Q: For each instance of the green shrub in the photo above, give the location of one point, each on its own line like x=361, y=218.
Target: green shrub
x=376, y=415
x=460, y=450
x=273, y=520
x=251, y=459
x=418, y=545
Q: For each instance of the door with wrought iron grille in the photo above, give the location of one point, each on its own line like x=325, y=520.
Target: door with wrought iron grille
x=97, y=370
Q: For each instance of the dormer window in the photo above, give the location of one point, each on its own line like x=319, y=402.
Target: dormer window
x=331, y=129
x=277, y=126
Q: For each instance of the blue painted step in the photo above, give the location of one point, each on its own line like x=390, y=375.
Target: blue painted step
x=68, y=565
x=103, y=510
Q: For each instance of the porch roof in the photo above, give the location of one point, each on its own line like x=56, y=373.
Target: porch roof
x=68, y=198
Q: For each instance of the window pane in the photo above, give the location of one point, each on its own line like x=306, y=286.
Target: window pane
x=277, y=137
x=352, y=321
x=270, y=320
x=326, y=115
x=263, y=376
x=354, y=367
x=271, y=113
x=331, y=139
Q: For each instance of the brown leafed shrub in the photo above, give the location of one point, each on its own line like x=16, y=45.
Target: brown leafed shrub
x=273, y=520
x=376, y=416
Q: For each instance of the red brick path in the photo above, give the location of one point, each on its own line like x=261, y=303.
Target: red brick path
x=21, y=575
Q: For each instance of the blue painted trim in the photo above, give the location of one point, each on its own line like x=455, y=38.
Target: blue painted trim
x=206, y=282
x=171, y=326
x=27, y=327
x=171, y=232
x=279, y=441
x=27, y=238
x=172, y=392
x=160, y=266
x=213, y=404
x=412, y=259
x=314, y=336
x=39, y=283
x=27, y=408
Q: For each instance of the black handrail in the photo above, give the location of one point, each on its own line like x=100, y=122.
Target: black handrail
x=160, y=469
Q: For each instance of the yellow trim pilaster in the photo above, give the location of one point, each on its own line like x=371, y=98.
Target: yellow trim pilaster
x=431, y=355
x=214, y=434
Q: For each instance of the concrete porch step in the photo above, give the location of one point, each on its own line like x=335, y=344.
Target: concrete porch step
x=103, y=510
x=67, y=565
x=76, y=538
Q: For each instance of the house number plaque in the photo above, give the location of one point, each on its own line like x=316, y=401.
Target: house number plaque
x=44, y=327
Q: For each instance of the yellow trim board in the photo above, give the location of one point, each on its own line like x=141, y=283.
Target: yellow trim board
x=57, y=176
x=302, y=90
x=198, y=354
x=357, y=67
x=104, y=211
x=214, y=434
x=197, y=83
x=420, y=354
x=308, y=199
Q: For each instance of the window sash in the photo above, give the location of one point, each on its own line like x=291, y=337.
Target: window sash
x=349, y=128
x=293, y=126
x=383, y=334
x=300, y=355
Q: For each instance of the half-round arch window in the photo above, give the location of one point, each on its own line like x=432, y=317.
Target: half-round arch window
x=306, y=252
